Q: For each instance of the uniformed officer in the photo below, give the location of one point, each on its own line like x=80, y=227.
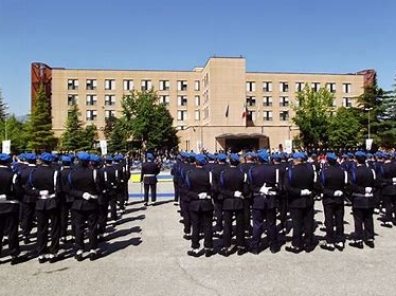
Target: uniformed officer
x=66, y=199
x=279, y=162
x=148, y=177
x=86, y=186
x=199, y=182
x=233, y=188
x=388, y=190
x=44, y=184
x=264, y=185
x=175, y=172
x=9, y=207
x=333, y=180
x=300, y=184
x=363, y=186
x=123, y=177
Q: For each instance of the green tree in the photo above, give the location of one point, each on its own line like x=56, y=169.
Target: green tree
x=146, y=120
x=3, y=108
x=117, y=137
x=345, y=129
x=15, y=131
x=313, y=110
x=41, y=135
x=109, y=126
x=90, y=137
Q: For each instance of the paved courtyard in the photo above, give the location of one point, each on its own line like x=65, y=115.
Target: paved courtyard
x=146, y=255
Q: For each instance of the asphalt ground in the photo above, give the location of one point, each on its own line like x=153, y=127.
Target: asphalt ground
x=145, y=254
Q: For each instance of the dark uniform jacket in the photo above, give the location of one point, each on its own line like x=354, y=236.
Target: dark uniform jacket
x=333, y=178
x=110, y=179
x=216, y=170
x=359, y=179
x=184, y=168
x=298, y=177
x=198, y=181
x=24, y=173
x=65, y=195
x=150, y=170
x=386, y=178
x=9, y=187
x=258, y=176
x=232, y=180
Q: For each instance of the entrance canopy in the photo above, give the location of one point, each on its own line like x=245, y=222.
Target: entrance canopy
x=229, y=136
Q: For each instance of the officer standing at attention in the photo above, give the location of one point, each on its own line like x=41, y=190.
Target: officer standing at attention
x=121, y=175
x=44, y=184
x=334, y=181
x=9, y=207
x=111, y=184
x=233, y=187
x=300, y=181
x=86, y=186
x=388, y=190
x=199, y=183
x=363, y=183
x=66, y=200
x=148, y=177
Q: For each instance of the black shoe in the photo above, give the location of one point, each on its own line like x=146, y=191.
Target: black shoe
x=209, y=252
x=254, y=251
x=339, y=246
x=274, y=249
x=79, y=257
x=194, y=253
x=181, y=221
x=41, y=259
x=293, y=249
x=327, y=246
x=187, y=236
x=224, y=252
x=16, y=260
x=386, y=224
x=356, y=244
x=145, y=204
x=53, y=259
x=309, y=248
x=241, y=251
x=370, y=244
x=93, y=256
x=26, y=240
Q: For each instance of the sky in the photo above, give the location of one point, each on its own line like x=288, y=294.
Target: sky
x=337, y=36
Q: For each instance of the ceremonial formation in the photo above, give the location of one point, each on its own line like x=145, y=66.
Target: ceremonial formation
x=239, y=199
x=68, y=198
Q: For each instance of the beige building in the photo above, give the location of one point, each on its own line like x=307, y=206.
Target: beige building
x=215, y=107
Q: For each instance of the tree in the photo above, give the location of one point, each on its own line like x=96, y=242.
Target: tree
x=3, y=108
x=146, y=120
x=15, y=131
x=312, y=116
x=117, y=137
x=345, y=129
x=90, y=137
x=41, y=135
x=109, y=126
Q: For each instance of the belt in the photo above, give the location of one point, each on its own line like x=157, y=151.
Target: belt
x=149, y=175
x=43, y=197
x=3, y=199
x=203, y=196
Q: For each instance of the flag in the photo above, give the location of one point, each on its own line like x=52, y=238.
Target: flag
x=227, y=110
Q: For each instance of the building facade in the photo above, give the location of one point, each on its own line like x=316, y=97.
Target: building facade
x=215, y=107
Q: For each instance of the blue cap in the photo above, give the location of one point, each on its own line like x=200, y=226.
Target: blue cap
x=386, y=155
x=298, y=155
x=184, y=154
x=331, y=156
x=118, y=157
x=201, y=159
x=109, y=158
x=234, y=157
x=22, y=156
x=4, y=157
x=350, y=154
x=30, y=156
x=276, y=156
x=47, y=157
x=66, y=159
x=360, y=154
x=211, y=156
x=263, y=156
x=95, y=158
x=222, y=157
x=150, y=156
x=83, y=156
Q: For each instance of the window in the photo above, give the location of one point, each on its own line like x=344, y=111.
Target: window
x=182, y=100
x=110, y=100
x=92, y=84
x=146, y=85
x=251, y=116
x=284, y=101
x=181, y=115
x=206, y=113
x=128, y=85
x=196, y=85
x=109, y=84
x=109, y=113
x=251, y=101
x=283, y=86
x=346, y=88
x=197, y=101
x=267, y=86
x=284, y=115
x=205, y=80
x=72, y=84
x=267, y=115
x=91, y=100
x=164, y=100
x=299, y=86
x=315, y=86
x=206, y=96
x=72, y=100
x=182, y=85
x=164, y=85
x=197, y=115
x=91, y=115
x=250, y=86
x=267, y=101
x=347, y=102
x=331, y=87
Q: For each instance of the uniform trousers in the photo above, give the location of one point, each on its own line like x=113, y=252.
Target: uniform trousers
x=64, y=218
x=46, y=219
x=202, y=220
x=303, y=223
x=28, y=210
x=247, y=214
x=91, y=216
x=102, y=217
x=153, y=189
x=259, y=215
x=240, y=227
x=363, y=218
x=334, y=218
x=176, y=189
x=390, y=207
x=9, y=226
x=218, y=211
x=185, y=213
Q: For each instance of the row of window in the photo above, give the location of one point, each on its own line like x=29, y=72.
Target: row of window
x=91, y=115
x=145, y=84
x=285, y=101
x=299, y=86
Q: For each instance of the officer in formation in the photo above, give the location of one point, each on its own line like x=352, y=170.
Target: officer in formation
x=39, y=191
x=148, y=178
x=283, y=186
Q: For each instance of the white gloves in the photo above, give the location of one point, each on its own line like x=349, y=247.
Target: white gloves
x=394, y=181
x=3, y=197
x=44, y=192
x=86, y=196
x=305, y=192
x=368, y=190
x=264, y=189
x=238, y=194
x=203, y=195
x=338, y=193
